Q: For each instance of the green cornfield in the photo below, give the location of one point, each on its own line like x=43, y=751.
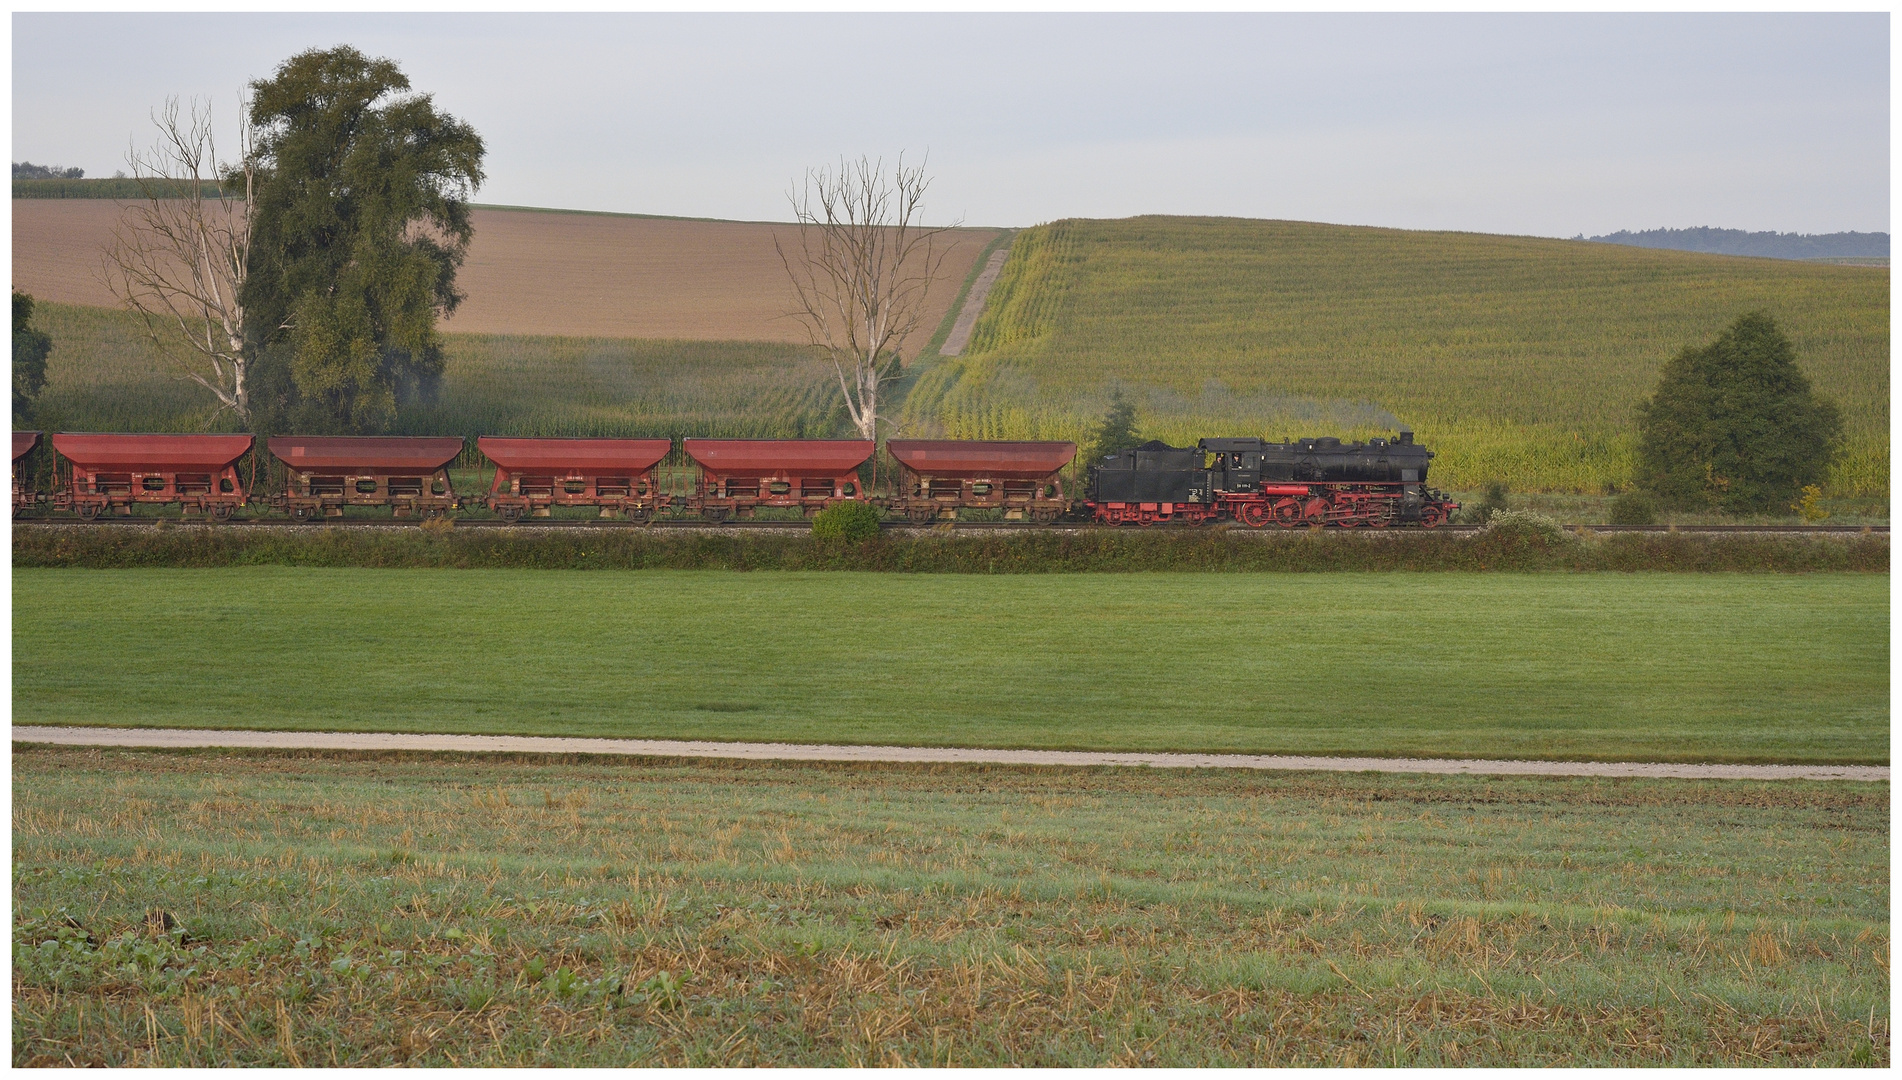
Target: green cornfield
x=1515, y=358
x=104, y=374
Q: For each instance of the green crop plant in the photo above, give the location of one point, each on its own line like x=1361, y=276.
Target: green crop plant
x=1513, y=357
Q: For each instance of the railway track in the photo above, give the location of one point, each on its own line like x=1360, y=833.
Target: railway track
x=689, y=525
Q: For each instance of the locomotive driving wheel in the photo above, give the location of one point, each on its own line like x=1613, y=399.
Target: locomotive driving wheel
x=1287, y=513
x=1255, y=514
x=1432, y=517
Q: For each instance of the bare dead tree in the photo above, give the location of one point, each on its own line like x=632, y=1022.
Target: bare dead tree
x=179, y=257
x=863, y=269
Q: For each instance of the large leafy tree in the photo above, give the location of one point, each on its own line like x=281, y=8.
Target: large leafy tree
x=30, y=347
x=1734, y=425
x=362, y=218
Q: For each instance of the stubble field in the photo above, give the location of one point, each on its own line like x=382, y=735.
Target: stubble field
x=440, y=910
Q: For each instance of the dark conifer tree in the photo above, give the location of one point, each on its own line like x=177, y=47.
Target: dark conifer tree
x=1117, y=431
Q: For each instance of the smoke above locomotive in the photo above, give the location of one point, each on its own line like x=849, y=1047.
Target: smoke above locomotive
x=1318, y=481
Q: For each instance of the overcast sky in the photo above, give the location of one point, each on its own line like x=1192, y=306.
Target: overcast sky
x=1546, y=124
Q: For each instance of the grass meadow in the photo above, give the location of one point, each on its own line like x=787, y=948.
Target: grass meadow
x=1515, y=358
x=351, y=909
x=1727, y=667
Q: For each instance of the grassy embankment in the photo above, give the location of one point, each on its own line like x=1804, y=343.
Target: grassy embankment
x=1515, y=358
x=1653, y=667
x=344, y=909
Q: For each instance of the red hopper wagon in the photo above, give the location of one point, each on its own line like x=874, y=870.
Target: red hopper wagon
x=23, y=444
x=942, y=476
x=617, y=475
x=112, y=472
x=737, y=476
x=329, y=472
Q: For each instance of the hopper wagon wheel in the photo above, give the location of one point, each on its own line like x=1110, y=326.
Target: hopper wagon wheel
x=640, y=515
x=1432, y=517
x=88, y=511
x=434, y=513
x=300, y=514
x=509, y=514
x=221, y=512
x=922, y=515
x=714, y=514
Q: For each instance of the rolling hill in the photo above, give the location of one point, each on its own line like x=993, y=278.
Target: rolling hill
x=1515, y=358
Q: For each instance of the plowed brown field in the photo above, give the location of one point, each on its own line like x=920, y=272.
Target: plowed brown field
x=539, y=272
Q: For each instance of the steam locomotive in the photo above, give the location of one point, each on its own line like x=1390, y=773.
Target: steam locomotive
x=1377, y=483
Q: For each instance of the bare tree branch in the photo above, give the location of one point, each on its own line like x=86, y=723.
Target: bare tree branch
x=863, y=269
x=179, y=257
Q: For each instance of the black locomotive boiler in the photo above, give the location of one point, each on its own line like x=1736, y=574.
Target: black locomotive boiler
x=1377, y=483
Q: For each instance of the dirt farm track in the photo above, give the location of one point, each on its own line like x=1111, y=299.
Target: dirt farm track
x=176, y=738
x=539, y=272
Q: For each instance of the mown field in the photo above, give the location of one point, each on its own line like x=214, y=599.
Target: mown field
x=1515, y=358
x=352, y=910
x=1667, y=667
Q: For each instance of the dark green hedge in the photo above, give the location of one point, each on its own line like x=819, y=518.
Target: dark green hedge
x=991, y=553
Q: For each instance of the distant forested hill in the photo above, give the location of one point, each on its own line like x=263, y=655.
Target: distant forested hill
x=1772, y=245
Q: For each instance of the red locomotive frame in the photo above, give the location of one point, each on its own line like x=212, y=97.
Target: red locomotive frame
x=616, y=475
x=112, y=473
x=1288, y=505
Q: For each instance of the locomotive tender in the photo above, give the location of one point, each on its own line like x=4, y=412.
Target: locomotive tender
x=1377, y=483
